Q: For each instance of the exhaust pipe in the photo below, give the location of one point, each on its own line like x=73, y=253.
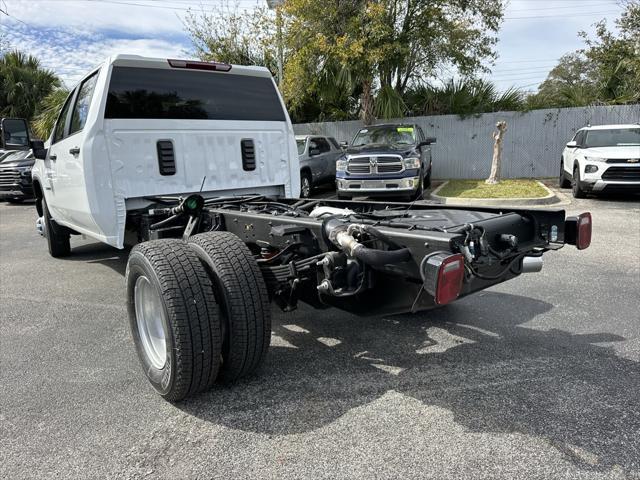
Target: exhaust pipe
x=531, y=264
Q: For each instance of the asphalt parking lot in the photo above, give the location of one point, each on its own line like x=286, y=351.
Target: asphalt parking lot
x=535, y=378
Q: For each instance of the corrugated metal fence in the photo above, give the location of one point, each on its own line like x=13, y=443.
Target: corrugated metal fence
x=532, y=146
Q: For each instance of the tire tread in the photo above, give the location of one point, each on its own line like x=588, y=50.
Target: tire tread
x=246, y=301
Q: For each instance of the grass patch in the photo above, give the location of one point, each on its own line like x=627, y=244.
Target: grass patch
x=523, y=188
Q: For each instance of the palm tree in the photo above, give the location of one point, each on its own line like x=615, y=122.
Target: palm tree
x=23, y=84
x=462, y=97
x=49, y=109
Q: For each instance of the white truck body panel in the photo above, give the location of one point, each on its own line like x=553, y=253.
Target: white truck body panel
x=117, y=163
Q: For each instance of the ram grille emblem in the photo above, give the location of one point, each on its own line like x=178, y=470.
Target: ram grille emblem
x=373, y=161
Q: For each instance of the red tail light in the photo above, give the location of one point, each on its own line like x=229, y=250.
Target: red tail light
x=195, y=65
x=583, y=237
x=443, y=274
x=577, y=230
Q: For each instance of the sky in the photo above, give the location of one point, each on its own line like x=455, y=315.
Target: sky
x=71, y=36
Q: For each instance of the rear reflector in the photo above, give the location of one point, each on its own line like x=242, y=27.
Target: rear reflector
x=577, y=230
x=583, y=239
x=195, y=65
x=443, y=274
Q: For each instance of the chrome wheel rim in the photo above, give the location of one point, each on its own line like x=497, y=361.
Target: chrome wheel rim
x=306, y=188
x=151, y=322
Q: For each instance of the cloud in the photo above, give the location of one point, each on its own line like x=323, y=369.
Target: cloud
x=98, y=16
x=72, y=54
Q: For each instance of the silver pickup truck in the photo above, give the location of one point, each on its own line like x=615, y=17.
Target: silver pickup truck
x=318, y=156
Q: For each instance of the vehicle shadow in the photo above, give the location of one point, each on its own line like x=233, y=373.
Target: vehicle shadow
x=102, y=254
x=475, y=358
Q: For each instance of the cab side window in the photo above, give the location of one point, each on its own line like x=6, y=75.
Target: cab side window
x=323, y=145
x=579, y=138
x=58, y=133
x=83, y=101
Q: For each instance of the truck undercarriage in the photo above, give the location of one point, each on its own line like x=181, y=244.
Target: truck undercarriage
x=199, y=305
x=369, y=257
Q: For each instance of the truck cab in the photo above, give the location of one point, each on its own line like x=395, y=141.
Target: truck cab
x=383, y=160
x=136, y=128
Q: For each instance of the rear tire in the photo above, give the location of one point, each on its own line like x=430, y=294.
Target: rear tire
x=174, y=318
x=563, y=182
x=58, y=238
x=244, y=302
x=575, y=185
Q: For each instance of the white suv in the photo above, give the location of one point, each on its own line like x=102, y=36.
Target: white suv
x=602, y=158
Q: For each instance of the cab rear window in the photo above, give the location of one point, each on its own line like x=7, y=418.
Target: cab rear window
x=151, y=93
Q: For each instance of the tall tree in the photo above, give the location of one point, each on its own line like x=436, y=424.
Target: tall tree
x=23, y=84
x=382, y=47
x=226, y=33
x=606, y=71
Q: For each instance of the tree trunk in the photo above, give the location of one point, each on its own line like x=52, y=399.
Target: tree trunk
x=366, y=103
x=496, y=163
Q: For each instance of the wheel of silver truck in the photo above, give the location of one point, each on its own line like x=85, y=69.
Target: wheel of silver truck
x=305, y=185
x=244, y=302
x=174, y=318
x=58, y=238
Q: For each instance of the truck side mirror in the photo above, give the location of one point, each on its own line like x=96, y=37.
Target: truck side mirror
x=427, y=141
x=572, y=144
x=37, y=146
x=314, y=151
x=344, y=144
x=15, y=134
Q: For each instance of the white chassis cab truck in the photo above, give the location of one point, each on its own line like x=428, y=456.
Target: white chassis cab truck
x=195, y=163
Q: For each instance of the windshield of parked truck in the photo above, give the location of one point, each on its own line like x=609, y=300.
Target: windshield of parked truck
x=612, y=138
x=301, y=144
x=388, y=134
x=156, y=93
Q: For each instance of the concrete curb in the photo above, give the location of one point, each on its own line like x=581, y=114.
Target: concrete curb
x=550, y=199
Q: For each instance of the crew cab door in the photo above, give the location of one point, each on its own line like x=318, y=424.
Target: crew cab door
x=65, y=185
x=53, y=181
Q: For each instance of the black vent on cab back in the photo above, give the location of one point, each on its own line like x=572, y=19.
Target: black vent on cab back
x=248, y=154
x=166, y=157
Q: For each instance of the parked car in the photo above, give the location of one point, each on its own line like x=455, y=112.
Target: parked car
x=196, y=162
x=393, y=159
x=318, y=157
x=602, y=158
x=15, y=176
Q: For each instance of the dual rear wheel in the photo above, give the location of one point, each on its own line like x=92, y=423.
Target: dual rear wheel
x=199, y=312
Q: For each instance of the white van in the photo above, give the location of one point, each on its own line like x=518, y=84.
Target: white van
x=140, y=127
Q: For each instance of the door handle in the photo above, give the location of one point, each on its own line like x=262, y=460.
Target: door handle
x=53, y=157
x=74, y=151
